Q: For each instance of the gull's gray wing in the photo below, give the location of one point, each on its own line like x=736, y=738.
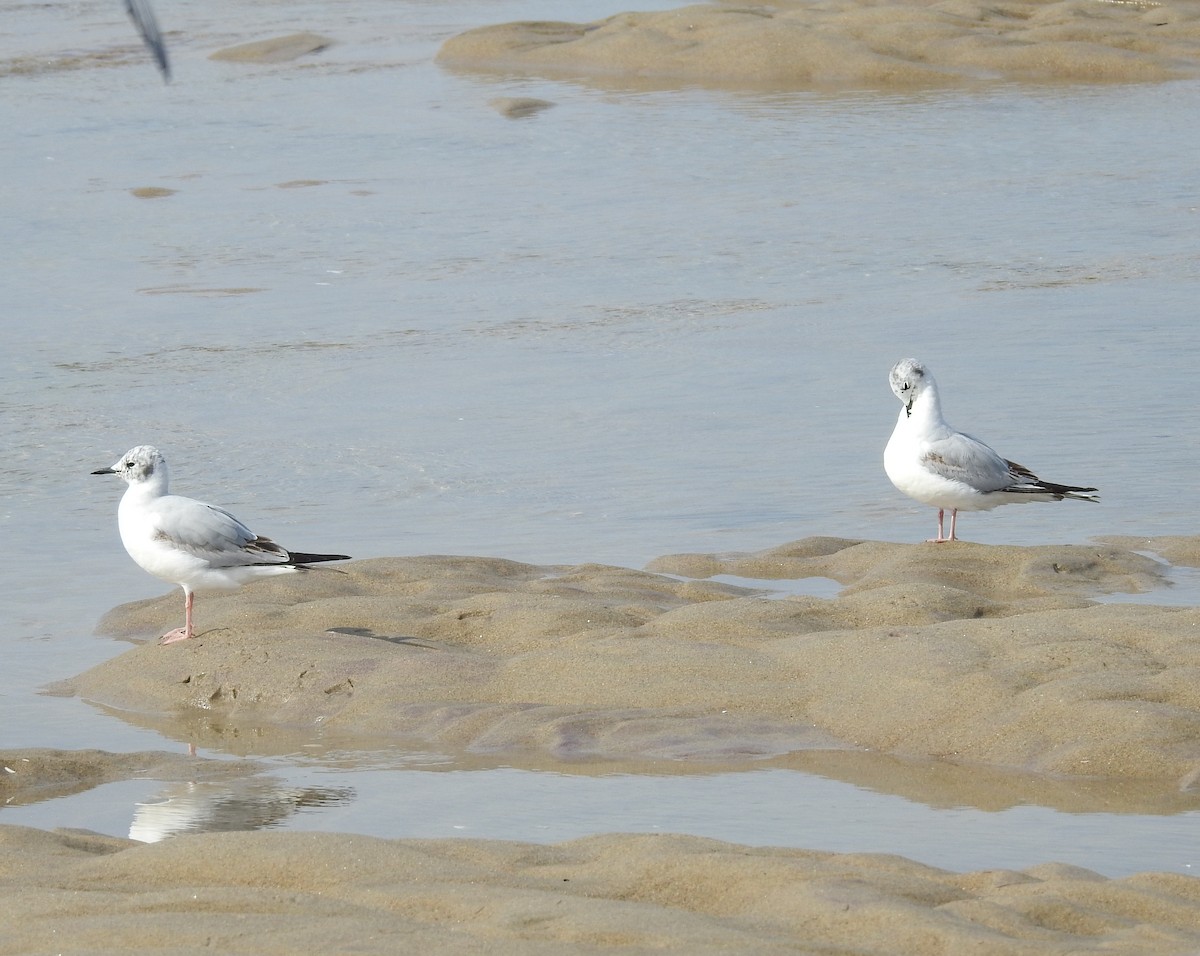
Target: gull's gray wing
x=212, y=534
x=959, y=457
x=142, y=15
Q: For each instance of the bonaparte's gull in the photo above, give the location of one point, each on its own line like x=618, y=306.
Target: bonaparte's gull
x=931, y=462
x=143, y=18
x=198, y=546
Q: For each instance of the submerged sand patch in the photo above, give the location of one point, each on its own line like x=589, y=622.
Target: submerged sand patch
x=274, y=50
x=869, y=43
x=32, y=775
x=979, y=655
x=267, y=893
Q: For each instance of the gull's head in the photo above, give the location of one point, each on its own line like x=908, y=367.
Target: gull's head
x=909, y=378
x=140, y=464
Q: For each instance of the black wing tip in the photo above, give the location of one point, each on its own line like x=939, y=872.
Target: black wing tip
x=164, y=66
x=143, y=18
x=1059, y=492
x=1034, y=485
x=1069, y=491
x=300, y=560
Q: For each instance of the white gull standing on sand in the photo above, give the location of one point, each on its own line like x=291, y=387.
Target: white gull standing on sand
x=931, y=462
x=198, y=546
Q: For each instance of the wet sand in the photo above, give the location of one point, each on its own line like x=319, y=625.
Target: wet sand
x=994, y=661
x=854, y=42
x=979, y=654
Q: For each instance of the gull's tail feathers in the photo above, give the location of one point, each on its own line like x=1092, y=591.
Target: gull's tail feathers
x=1031, y=484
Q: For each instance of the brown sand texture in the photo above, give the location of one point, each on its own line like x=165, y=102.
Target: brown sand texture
x=957, y=674
x=861, y=43
x=289, y=893
x=981, y=655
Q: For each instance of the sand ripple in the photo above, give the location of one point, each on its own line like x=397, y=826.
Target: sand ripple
x=974, y=654
x=268, y=893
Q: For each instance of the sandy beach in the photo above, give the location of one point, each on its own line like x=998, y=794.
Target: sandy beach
x=968, y=675
x=288, y=893
x=996, y=658
x=854, y=43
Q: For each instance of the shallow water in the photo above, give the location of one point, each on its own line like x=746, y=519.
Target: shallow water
x=376, y=316
x=768, y=807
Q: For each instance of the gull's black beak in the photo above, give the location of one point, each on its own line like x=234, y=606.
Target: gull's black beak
x=104, y=471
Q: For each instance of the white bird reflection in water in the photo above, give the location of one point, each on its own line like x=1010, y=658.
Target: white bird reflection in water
x=210, y=806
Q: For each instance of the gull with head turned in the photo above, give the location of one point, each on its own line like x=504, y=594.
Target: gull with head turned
x=939, y=466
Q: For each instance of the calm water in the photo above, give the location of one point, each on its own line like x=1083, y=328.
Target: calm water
x=378, y=317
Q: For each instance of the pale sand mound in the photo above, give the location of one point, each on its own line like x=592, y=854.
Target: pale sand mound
x=974, y=653
x=854, y=42
x=267, y=893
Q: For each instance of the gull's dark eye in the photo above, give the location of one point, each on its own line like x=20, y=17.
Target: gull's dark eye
x=126, y=464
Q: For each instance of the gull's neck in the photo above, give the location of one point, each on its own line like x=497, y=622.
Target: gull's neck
x=926, y=411
x=153, y=486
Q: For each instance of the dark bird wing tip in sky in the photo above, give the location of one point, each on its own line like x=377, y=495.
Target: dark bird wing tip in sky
x=142, y=16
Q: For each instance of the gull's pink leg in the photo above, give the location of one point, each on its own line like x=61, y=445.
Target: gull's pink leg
x=185, y=632
x=941, y=517
x=953, y=524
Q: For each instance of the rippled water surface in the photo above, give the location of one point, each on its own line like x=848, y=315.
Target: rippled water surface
x=374, y=315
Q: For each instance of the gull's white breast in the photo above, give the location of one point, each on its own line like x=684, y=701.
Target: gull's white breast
x=905, y=464
x=186, y=542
